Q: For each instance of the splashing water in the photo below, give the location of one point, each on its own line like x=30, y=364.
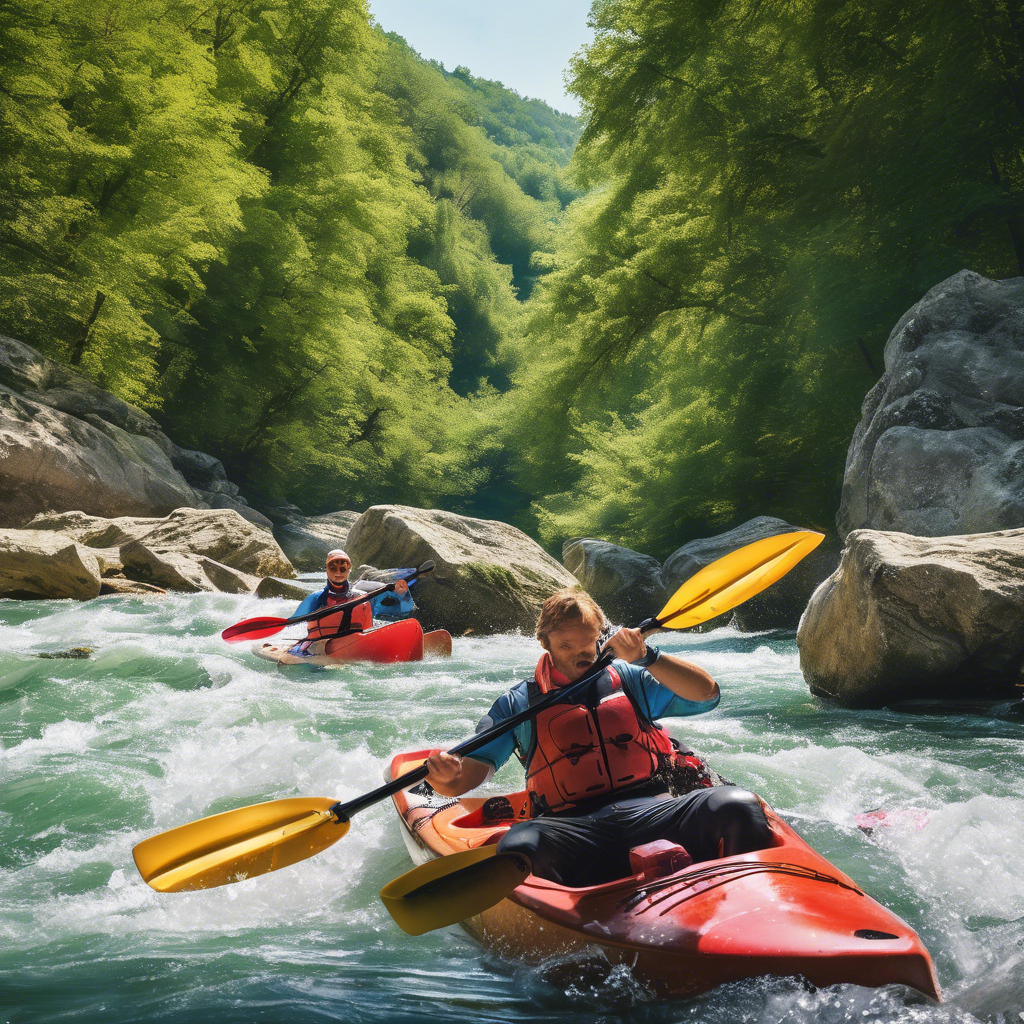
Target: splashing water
x=165, y=723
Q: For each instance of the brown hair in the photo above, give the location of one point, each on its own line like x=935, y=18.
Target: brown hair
x=568, y=605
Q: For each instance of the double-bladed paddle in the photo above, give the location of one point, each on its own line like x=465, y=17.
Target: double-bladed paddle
x=258, y=628
x=254, y=840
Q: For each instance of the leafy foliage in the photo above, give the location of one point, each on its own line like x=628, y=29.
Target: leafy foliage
x=267, y=212
x=357, y=277
x=772, y=186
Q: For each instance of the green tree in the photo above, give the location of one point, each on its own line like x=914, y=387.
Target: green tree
x=119, y=178
x=773, y=184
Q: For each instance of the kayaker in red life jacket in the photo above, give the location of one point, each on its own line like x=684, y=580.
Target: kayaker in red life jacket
x=337, y=591
x=601, y=776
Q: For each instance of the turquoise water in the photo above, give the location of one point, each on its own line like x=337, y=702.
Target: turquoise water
x=165, y=723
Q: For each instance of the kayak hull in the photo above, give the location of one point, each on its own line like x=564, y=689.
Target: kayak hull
x=782, y=911
x=395, y=641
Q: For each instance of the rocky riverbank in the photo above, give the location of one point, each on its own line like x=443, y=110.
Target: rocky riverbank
x=96, y=499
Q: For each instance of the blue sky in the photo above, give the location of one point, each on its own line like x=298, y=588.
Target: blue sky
x=525, y=44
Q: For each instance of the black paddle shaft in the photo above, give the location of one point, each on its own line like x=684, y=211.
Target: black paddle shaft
x=344, y=811
x=353, y=601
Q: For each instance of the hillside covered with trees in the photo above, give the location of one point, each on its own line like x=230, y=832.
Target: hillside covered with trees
x=300, y=245
x=356, y=278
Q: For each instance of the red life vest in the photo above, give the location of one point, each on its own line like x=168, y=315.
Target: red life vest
x=329, y=625
x=581, y=751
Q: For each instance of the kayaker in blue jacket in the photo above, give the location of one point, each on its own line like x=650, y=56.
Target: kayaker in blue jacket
x=601, y=776
x=338, y=591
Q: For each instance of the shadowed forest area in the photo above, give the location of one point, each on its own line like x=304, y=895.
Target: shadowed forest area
x=357, y=278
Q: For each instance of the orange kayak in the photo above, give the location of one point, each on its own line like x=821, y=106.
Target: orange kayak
x=680, y=928
x=395, y=641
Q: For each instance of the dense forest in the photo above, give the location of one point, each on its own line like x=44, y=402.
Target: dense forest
x=356, y=277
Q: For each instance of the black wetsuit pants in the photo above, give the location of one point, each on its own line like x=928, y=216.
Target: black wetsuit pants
x=588, y=849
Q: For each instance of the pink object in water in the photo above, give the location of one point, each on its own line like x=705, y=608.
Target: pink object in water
x=908, y=817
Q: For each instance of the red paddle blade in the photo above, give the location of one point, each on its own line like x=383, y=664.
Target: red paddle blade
x=253, y=629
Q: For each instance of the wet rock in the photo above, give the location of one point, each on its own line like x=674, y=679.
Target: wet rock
x=489, y=576
x=74, y=653
x=42, y=565
x=270, y=586
x=939, y=449
x=625, y=583
x=121, y=585
x=910, y=617
x=307, y=539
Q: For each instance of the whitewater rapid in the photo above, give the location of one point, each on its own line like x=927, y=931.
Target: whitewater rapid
x=165, y=723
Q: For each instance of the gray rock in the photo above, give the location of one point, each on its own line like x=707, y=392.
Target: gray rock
x=910, y=617
x=271, y=586
x=31, y=374
x=122, y=585
x=625, y=583
x=67, y=444
x=202, y=471
x=215, y=499
x=175, y=570
x=279, y=513
x=46, y=565
x=939, y=449
x=489, y=576
x=52, y=461
x=778, y=607
x=306, y=540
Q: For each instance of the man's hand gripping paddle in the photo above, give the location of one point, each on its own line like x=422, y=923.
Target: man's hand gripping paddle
x=258, y=628
x=254, y=840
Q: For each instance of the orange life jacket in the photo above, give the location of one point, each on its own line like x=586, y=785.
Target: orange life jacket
x=329, y=625
x=581, y=751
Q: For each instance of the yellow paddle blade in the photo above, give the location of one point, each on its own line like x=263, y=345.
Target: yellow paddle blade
x=238, y=844
x=450, y=889
x=735, y=577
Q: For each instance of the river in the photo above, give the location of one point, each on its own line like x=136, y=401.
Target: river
x=165, y=723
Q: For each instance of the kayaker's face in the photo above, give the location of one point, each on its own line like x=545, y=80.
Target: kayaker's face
x=573, y=648
x=337, y=571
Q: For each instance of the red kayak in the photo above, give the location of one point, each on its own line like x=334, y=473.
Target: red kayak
x=395, y=641
x=681, y=928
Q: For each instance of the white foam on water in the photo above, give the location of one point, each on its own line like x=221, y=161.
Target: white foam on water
x=967, y=856
x=184, y=725
x=65, y=737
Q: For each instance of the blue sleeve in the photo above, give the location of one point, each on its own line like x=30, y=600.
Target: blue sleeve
x=501, y=748
x=310, y=604
x=659, y=701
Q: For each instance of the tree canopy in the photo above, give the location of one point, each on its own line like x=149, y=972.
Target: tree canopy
x=356, y=277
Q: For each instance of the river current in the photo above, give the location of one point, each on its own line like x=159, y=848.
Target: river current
x=165, y=723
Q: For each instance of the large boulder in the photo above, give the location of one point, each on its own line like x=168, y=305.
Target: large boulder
x=909, y=617
x=939, y=449
x=778, y=607
x=625, y=583
x=46, y=565
x=67, y=444
x=489, y=576
x=52, y=461
x=306, y=540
